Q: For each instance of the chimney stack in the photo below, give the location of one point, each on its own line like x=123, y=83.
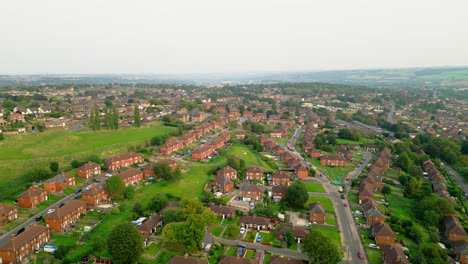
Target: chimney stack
x=186, y=255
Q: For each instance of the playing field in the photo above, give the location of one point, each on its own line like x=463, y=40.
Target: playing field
x=20, y=153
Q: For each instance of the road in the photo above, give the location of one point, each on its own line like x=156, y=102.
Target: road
x=390, y=114
x=78, y=125
x=459, y=179
x=32, y=220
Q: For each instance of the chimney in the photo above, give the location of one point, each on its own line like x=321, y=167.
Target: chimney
x=238, y=256
x=12, y=236
x=30, y=225
x=254, y=216
x=398, y=258
x=56, y=207
x=186, y=255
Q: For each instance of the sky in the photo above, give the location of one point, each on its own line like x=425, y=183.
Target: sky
x=237, y=36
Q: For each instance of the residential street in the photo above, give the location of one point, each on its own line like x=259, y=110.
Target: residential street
x=459, y=179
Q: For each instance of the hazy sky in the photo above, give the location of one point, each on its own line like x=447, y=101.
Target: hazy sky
x=175, y=36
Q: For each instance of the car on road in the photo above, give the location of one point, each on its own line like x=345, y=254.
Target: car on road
x=108, y=174
x=373, y=246
x=342, y=196
x=361, y=255
x=39, y=218
x=347, y=179
x=78, y=190
x=18, y=231
x=345, y=205
x=96, y=180
x=88, y=187
x=239, y=244
x=242, y=230
x=61, y=204
x=51, y=210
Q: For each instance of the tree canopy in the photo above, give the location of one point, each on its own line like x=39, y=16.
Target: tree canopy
x=320, y=249
x=125, y=244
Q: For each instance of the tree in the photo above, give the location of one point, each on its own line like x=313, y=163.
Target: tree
x=115, y=185
x=115, y=119
x=386, y=190
x=158, y=202
x=138, y=209
x=319, y=249
x=289, y=238
x=136, y=116
x=157, y=141
x=97, y=119
x=91, y=120
x=312, y=172
x=190, y=207
x=207, y=197
x=331, y=138
x=345, y=133
x=125, y=243
x=233, y=123
x=297, y=113
x=54, y=166
x=1, y=136
x=165, y=171
x=233, y=161
x=129, y=192
x=171, y=215
x=296, y=195
x=232, y=230
x=464, y=147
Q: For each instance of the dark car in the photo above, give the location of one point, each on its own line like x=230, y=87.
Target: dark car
x=342, y=196
x=96, y=180
x=39, y=218
x=61, y=204
x=78, y=190
x=18, y=231
x=241, y=245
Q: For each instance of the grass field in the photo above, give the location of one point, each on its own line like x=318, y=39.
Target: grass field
x=362, y=141
x=332, y=234
x=327, y=203
x=216, y=230
x=19, y=153
x=250, y=158
x=314, y=187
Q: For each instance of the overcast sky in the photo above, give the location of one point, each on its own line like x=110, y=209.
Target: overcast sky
x=178, y=36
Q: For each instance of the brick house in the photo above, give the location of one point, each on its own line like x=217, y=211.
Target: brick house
x=383, y=234
x=284, y=260
x=366, y=191
x=221, y=109
x=150, y=225
x=393, y=254
x=187, y=139
x=223, y=185
x=217, y=143
x=277, y=133
x=371, y=147
x=301, y=171
x=314, y=153
x=131, y=176
x=317, y=213
x=255, y=222
x=63, y=217
x=32, y=197
x=453, y=229
x=240, y=135
x=227, y=172
x=252, y=192
x=170, y=147
x=202, y=152
x=254, y=173
x=122, y=161
x=278, y=192
x=16, y=117
x=374, y=180
x=299, y=234
x=17, y=249
x=333, y=160
x=88, y=170
x=95, y=195
x=247, y=114
x=8, y=213
x=223, y=211
x=60, y=182
x=280, y=178
x=461, y=250
x=372, y=211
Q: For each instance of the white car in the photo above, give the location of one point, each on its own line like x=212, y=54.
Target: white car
x=242, y=230
x=108, y=175
x=51, y=210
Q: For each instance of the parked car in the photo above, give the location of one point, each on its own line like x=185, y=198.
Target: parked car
x=96, y=180
x=18, y=231
x=51, y=210
x=361, y=255
x=259, y=238
x=342, y=196
x=239, y=244
x=345, y=205
x=61, y=204
x=78, y=190
x=242, y=230
x=39, y=218
x=108, y=174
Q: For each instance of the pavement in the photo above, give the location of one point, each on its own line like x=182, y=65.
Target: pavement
x=459, y=179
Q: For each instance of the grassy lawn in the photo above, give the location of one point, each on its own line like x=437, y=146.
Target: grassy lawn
x=247, y=236
x=375, y=255
x=216, y=230
x=21, y=153
x=330, y=219
x=334, y=172
x=250, y=254
x=62, y=240
x=362, y=141
x=165, y=255
x=327, y=203
x=333, y=234
x=267, y=258
x=314, y=187
x=52, y=199
x=250, y=158
x=231, y=251
x=152, y=249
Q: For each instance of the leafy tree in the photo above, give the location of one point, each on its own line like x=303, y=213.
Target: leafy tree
x=136, y=116
x=331, y=138
x=415, y=171
x=158, y=202
x=312, y=172
x=165, y=171
x=157, y=141
x=190, y=207
x=97, y=119
x=115, y=119
x=464, y=147
x=54, y=166
x=138, y=208
x=125, y=244
x=115, y=185
x=404, y=162
x=172, y=215
x=232, y=230
x=289, y=238
x=129, y=192
x=386, y=190
x=320, y=249
x=296, y=195
x=345, y=133
x=1, y=136
x=233, y=123
x=233, y=161
x=207, y=197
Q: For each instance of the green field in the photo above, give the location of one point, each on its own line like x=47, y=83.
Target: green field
x=327, y=203
x=246, y=154
x=19, y=153
x=314, y=187
x=362, y=141
x=332, y=234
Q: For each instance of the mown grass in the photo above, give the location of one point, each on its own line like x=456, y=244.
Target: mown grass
x=327, y=203
x=246, y=154
x=314, y=187
x=332, y=234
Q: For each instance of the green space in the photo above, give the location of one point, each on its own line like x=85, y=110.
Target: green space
x=332, y=234
x=314, y=187
x=216, y=230
x=58, y=240
x=330, y=219
x=165, y=255
x=267, y=258
x=23, y=152
x=152, y=249
x=231, y=251
x=246, y=154
x=375, y=255
x=334, y=172
x=250, y=254
x=362, y=141
x=327, y=203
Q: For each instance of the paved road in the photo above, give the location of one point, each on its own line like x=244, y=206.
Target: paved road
x=210, y=239
x=78, y=125
x=459, y=179
x=390, y=114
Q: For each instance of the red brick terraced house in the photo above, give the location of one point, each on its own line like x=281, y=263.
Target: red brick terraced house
x=171, y=146
x=453, y=229
x=223, y=212
x=202, y=152
x=314, y=153
x=217, y=143
x=18, y=248
x=301, y=171
x=280, y=178
x=8, y=213
x=299, y=234
x=254, y=173
x=240, y=135
x=95, y=195
x=63, y=217
x=393, y=254
x=333, y=160
x=278, y=192
x=122, y=161
x=227, y=172
x=383, y=234
x=461, y=249
x=255, y=222
x=277, y=133
x=366, y=191
x=372, y=211
x=32, y=197
x=88, y=170
x=59, y=183
x=223, y=185
x=317, y=213
x=131, y=176
x=252, y=192
x=16, y=117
